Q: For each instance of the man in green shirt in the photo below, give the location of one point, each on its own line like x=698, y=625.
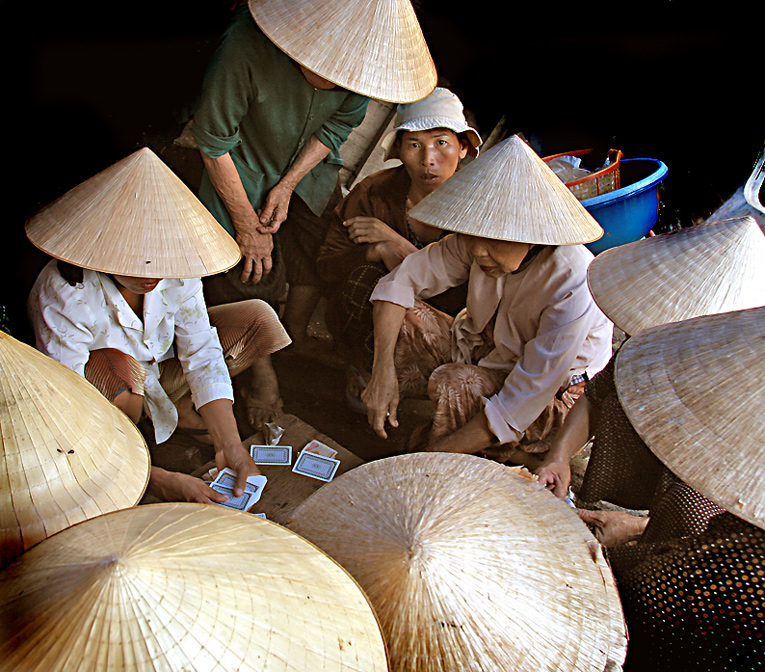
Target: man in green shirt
x=276, y=105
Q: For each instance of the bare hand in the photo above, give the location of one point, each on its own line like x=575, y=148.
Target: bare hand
x=189, y=489
x=614, y=528
x=381, y=398
x=274, y=210
x=237, y=457
x=389, y=252
x=363, y=229
x=555, y=476
x=256, y=249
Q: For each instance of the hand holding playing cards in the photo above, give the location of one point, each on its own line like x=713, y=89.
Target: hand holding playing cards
x=381, y=398
x=237, y=458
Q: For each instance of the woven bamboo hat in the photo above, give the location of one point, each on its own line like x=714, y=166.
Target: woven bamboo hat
x=509, y=193
x=184, y=587
x=67, y=453
x=135, y=218
x=375, y=48
x=440, y=109
x=695, y=393
x=469, y=565
x=704, y=269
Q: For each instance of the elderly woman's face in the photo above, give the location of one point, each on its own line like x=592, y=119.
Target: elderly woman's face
x=496, y=257
x=430, y=157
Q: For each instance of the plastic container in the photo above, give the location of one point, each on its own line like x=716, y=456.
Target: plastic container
x=630, y=212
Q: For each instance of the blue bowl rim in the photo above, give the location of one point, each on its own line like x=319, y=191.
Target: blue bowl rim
x=631, y=189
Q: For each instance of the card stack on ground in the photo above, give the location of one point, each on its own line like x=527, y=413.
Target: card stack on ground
x=317, y=460
x=273, y=455
x=224, y=483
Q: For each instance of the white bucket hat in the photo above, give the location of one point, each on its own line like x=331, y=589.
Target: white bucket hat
x=441, y=109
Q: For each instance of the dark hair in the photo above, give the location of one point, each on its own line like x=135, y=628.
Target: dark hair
x=71, y=273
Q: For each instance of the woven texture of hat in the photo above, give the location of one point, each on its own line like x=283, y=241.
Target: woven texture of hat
x=373, y=47
x=67, y=453
x=135, y=218
x=695, y=393
x=701, y=270
x=469, y=566
x=184, y=587
x=509, y=193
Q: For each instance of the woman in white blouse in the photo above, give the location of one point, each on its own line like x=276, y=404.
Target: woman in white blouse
x=144, y=342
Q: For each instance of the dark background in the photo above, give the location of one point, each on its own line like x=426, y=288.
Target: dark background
x=87, y=83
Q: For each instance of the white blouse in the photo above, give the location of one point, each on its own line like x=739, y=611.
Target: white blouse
x=71, y=321
x=548, y=328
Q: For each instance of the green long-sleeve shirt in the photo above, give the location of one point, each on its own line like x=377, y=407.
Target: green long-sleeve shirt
x=256, y=106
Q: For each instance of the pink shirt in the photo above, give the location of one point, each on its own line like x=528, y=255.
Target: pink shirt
x=547, y=329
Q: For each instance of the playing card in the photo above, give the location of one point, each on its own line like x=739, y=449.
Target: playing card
x=260, y=515
x=224, y=483
x=316, y=466
x=319, y=448
x=278, y=455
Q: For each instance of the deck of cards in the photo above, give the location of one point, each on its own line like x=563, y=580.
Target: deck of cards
x=224, y=483
x=317, y=460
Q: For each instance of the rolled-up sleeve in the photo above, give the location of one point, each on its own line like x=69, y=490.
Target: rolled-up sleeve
x=335, y=131
x=199, y=349
x=545, y=365
x=425, y=273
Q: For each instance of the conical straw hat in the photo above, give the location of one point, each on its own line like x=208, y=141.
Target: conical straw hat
x=695, y=393
x=135, y=218
x=67, y=453
x=373, y=47
x=704, y=269
x=509, y=193
x=187, y=587
x=469, y=566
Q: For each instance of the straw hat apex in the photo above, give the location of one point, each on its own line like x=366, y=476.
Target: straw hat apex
x=375, y=47
x=66, y=453
x=184, y=587
x=510, y=194
x=704, y=269
x=453, y=552
x=441, y=109
x=695, y=393
x=135, y=218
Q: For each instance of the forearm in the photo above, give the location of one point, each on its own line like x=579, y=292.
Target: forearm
x=307, y=159
x=227, y=183
x=218, y=416
x=163, y=484
x=574, y=432
x=472, y=437
x=388, y=318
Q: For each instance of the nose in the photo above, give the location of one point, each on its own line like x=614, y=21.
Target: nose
x=429, y=156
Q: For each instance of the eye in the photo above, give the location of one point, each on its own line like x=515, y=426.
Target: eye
x=442, y=141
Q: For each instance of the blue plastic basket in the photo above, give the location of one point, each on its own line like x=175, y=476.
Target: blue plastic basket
x=630, y=212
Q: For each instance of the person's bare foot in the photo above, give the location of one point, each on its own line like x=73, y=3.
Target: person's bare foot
x=261, y=394
x=614, y=528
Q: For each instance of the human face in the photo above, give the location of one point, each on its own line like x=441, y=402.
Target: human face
x=496, y=257
x=430, y=157
x=315, y=80
x=137, y=285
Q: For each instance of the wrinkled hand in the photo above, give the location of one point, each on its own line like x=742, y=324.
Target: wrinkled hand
x=381, y=399
x=274, y=210
x=238, y=458
x=555, y=476
x=613, y=528
x=256, y=249
x=389, y=252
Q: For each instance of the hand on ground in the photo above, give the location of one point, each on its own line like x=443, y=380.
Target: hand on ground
x=238, y=458
x=381, y=399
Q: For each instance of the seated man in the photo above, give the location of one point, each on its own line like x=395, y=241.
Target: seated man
x=506, y=370
x=371, y=231
x=146, y=341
